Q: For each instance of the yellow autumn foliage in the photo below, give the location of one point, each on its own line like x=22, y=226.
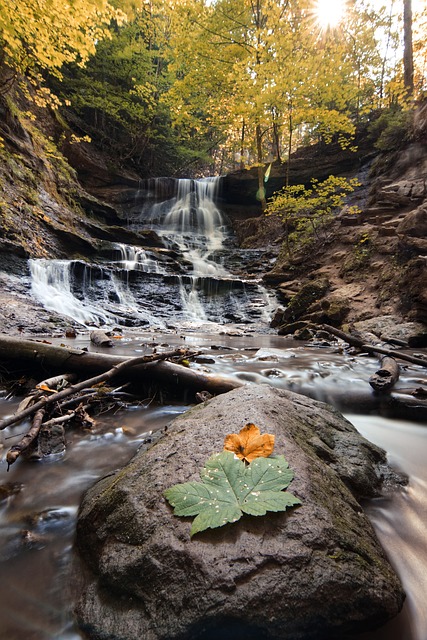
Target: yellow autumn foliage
x=45, y=34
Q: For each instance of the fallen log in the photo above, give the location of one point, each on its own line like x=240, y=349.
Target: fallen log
x=100, y=338
x=370, y=348
x=387, y=376
x=41, y=356
x=403, y=404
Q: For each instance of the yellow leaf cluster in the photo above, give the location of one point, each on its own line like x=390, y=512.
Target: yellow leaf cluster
x=49, y=33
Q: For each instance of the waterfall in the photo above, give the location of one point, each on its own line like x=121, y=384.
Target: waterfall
x=195, y=225
x=82, y=298
x=135, y=258
x=51, y=285
x=188, y=280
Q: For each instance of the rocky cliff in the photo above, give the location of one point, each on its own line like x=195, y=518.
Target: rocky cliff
x=61, y=199
x=366, y=265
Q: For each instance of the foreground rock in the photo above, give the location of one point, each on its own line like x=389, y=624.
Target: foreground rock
x=314, y=572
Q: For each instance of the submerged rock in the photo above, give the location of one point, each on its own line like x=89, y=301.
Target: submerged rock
x=314, y=572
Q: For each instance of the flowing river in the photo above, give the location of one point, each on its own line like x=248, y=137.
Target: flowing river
x=40, y=499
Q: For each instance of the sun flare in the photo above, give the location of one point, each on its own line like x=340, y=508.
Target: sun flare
x=329, y=13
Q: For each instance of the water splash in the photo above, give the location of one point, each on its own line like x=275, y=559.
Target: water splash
x=136, y=259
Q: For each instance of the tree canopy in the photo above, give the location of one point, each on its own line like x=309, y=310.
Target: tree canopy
x=211, y=85
x=43, y=35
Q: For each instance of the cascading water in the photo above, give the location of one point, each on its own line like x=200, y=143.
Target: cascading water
x=51, y=284
x=135, y=258
x=195, y=225
x=184, y=279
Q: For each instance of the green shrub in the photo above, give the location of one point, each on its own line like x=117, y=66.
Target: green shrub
x=393, y=129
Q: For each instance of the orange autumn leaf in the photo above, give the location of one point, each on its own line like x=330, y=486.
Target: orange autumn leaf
x=249, y=444
x=44, y=387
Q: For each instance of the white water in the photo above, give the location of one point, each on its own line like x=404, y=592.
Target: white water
x=193, y=228
x=51, y=285
x=196, y=226
x=136, y=258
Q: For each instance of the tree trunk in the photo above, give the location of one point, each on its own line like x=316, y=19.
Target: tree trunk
x=369, y=348
x=242, y=147
x=276, y=137
x=385, y=54
x=261, y=189
x=408, y=57
x=291, y=127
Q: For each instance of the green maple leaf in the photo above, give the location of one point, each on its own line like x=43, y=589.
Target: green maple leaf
x=230, y=488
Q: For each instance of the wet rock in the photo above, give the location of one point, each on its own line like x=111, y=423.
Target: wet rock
x=8, y=489
x=273, y=355
x=305, y=333
x=51, y=440
x=117, y=233
x=391, y=328
x=49, y=519
x=100, y=338
x=309, y=307
x=331, y=311
x=291, y=327
x=315, y=572
x=204, y=360
x=277, y=318
x=203, y=396
x=285, y=295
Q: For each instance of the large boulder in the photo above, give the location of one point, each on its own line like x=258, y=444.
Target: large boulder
x=316, y=571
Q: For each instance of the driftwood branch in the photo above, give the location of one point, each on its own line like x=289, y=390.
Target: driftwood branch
x=369, y=348
x=57, y=382
x=60, y=419
x=387, y=376
x=15, y=451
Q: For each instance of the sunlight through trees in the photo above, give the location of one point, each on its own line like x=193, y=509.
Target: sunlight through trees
x=218, y=83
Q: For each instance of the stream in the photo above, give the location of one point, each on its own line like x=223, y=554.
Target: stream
x=191, y=294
